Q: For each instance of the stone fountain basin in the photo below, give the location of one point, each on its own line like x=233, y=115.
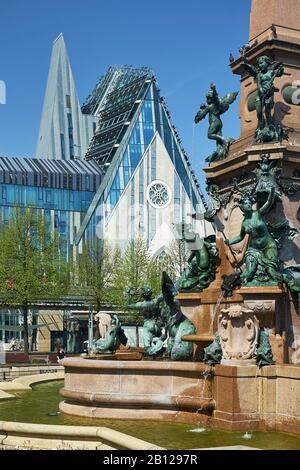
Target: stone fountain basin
x=225, y=396
x=172, y=391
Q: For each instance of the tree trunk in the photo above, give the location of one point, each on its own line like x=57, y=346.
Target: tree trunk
x=26, y=336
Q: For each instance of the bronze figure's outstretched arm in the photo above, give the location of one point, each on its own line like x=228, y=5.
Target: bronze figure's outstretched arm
x=203, y=111
x=250, y=69
x=136, y=306
x=238, y=238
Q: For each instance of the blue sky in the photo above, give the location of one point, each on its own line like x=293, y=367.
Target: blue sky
x=186, y=43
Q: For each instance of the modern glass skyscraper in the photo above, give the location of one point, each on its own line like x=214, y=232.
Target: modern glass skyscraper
x=65, y=132
x=125, y=128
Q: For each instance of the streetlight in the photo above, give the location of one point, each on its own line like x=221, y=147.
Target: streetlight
x=65, y=329
x=90, y=329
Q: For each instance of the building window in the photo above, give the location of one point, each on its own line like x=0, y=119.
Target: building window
x=62, y=145
x=158, y=194
x=56, y=220
x=70, y=131
x=78, y=182
x=48, y=196
x=68, y=101
x=65, y=181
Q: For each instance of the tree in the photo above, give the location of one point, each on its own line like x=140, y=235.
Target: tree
x=95, y=271
x=178, y=255
x=32, y=264
x=135, y=269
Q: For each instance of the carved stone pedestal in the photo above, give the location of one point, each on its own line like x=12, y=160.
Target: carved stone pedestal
x=238, y=328
x=201, y=308
x=266, y=307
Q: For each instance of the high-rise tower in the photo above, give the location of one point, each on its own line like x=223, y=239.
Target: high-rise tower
x=65, y=132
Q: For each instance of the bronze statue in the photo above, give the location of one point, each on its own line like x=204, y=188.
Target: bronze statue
x=215, y=107
x=291, y=276
x=267, y=177
x=202, y=263
x=114, y=336
x=176, y=324
x=261, y=258
x=214, y=202
x=265, y=74
x=152, y=328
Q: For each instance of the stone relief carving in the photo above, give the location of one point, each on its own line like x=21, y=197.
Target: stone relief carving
x=263, y=307
x=238, y=328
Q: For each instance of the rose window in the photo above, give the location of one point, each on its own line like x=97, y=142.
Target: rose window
x=158, y=194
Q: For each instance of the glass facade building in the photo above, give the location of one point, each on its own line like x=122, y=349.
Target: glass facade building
x=120, y=120
x=146, y=117
x=62, y=191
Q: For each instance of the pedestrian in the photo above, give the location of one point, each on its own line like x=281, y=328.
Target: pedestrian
x=12, y=344
x=60, y=354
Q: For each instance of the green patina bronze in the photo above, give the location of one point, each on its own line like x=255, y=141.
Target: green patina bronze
x=267, y=179
x=202, y=263
x=213, y=352
x=149, y=308
x=114, y=337
x=264, y=355
x=177, y=325
x=265, y=74
x=291, y=276
x=214, y=202
x=261, y=257
x=215, y=107
x=164, y=323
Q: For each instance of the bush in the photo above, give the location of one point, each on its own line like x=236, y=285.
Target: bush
x=38, y=361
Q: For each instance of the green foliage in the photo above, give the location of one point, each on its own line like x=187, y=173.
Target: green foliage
x=104, y=273
x=95, y=270
x=38, y=361
x=177, y=256
x=32, y=265
x=131, y=271
x=136, y=269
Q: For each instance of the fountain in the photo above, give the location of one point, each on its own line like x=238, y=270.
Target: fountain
x=231, y=320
